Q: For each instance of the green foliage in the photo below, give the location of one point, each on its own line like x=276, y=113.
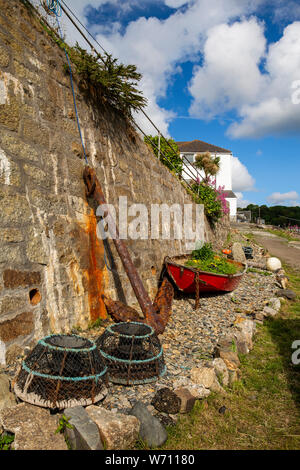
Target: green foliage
x=63, y=424
x=114, y=82
x=96, y=324
x=117, y=82
x=263, y=273
x=275, y=215
x=170, y=158
x=283, y=234
x=209, y=198
x=6, y=440
x=204, y=253
x=217, y=265
x=205, y=259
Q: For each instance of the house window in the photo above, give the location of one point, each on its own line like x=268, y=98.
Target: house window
x=189, y=157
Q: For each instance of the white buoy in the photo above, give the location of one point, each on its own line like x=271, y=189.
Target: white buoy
x=273, y=264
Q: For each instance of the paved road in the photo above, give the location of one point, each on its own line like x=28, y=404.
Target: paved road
x=281, y=249
x=288, y=253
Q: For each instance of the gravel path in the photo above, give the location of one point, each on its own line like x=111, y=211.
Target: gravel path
x=191, y=336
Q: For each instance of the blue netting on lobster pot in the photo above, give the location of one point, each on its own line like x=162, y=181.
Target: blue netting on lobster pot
x=132, y=353
x=62, y=371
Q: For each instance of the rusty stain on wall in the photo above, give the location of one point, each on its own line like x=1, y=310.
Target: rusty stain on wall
x=95, y=275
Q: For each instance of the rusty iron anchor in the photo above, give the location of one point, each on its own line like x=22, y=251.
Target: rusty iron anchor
x=156, y=314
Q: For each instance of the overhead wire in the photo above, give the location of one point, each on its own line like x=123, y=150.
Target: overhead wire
x=186, y=166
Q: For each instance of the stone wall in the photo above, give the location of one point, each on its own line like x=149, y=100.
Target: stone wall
x=52, y=265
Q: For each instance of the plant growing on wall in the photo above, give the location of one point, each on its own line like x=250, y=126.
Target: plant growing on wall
x=117, y=82
x=169, y=156
x=113, y=81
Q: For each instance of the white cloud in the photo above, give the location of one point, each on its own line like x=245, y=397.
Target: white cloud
x=274, y=111
x=176, y=3
x=231, y=79
x=230, y=76
x=290, y=198
x=241, y=202
x=158, y=47
x=233, y=47
x=241, y=178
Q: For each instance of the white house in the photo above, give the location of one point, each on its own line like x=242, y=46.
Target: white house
x=188, y=152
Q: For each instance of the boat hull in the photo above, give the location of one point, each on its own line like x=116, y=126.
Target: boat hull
x=185, y=277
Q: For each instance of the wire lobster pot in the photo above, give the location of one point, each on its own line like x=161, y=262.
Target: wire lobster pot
x=62, y=371
x=132, y=353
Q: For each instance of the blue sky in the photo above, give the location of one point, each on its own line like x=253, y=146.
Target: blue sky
x=221, y=71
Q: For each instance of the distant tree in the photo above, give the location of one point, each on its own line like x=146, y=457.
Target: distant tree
x=275, y=215
x=169, y=152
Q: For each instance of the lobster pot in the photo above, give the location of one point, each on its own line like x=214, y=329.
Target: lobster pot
x=132, y=353
x=248, y=252
x=62, y=371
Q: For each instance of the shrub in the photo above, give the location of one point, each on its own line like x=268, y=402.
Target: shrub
x=210, y=199
x=170, y=158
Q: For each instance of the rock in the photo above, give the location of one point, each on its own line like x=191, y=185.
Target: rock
x=246, y=325
x=198, y=391
x=225, y=343
x=187, y=399
x=238, y=252
x=230, y=358
x=84, y=434
x=234, y=376
x=288, y=293
x=259, y=316
x=34, y=428
x=203, y=375
x=269, y=312
x=207, y=377
x=151, y=430
x=244, y=335
x=273, y=264
x=166, y=401
x=13, y=353
x=221, y=371
x=118, y=431
x=274, y=303
x=282, y=278
x=243, y=342
x=167, y=420
x=7, y=399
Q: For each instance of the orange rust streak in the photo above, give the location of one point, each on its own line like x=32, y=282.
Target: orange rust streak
x=95, y=273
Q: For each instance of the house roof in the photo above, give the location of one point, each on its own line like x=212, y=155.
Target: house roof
x=229, y=194
x=200, y=146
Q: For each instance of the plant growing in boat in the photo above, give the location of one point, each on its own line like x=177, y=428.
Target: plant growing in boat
x=205, y=259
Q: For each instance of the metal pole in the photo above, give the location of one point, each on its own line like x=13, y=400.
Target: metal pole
x=159, y=146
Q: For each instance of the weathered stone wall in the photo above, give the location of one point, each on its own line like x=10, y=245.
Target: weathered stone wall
x=52, y=268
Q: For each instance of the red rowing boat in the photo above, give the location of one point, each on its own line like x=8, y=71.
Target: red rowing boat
x=191, y=280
